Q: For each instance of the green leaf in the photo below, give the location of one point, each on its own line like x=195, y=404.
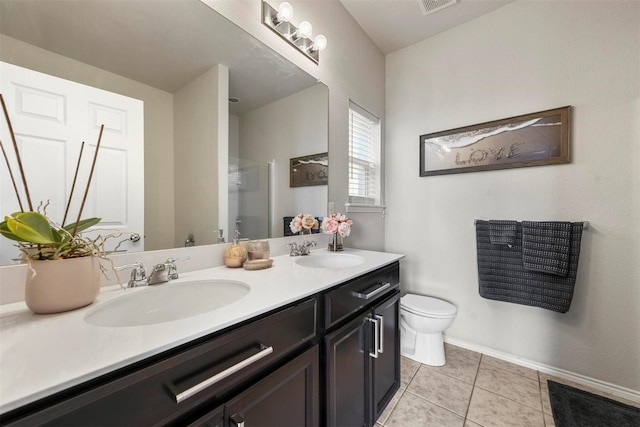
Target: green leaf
x=83, y=224
x=4, y=230
x=59, y=237
x=32, y=227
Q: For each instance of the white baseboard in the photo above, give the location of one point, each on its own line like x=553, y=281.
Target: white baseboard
x=603, y=386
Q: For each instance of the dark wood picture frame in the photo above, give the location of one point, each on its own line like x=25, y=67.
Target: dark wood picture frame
x=534, y=139
x=309, y=170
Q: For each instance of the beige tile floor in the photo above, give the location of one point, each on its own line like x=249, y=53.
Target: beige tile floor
x=471, y=390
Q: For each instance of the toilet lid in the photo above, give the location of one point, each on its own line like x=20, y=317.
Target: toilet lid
x=421, y=304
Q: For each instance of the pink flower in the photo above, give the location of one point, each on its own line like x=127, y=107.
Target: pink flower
x=330, y=225
x=337, y=223
x=344, y=229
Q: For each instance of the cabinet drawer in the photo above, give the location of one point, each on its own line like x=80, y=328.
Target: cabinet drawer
x=167, y=389
x=359, y=293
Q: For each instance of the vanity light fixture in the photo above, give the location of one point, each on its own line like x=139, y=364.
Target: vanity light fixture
x=279, y=20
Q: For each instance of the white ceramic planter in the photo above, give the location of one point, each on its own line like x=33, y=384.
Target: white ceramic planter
x=62, y=285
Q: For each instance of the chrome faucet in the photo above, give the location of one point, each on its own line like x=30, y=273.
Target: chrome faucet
x=306, y=247
x=161, y=273
x=165, y=271
x=138, y=275
x=303, y=249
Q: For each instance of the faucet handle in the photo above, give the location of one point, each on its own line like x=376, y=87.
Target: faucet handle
x=304, y=249
x=171, y=266
x=138, y=275
x=295, y=250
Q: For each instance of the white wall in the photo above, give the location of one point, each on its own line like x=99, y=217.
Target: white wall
x=201, y=121
x=522, y=58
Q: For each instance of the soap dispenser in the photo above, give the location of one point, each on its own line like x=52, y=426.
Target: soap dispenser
x=235, y=255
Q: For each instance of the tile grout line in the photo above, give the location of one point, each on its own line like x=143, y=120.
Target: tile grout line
x=402, y=392
x=434, y=403
x=473, y=388
x=392, y=409
x=541, y=407
x=421, y=365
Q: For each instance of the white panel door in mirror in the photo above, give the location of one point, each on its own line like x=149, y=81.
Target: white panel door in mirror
x=50, y=127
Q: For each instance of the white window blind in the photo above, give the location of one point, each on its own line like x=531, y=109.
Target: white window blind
x=364, y=156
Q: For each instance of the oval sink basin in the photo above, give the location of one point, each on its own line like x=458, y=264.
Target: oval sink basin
x=167, y=302
x=330, y=260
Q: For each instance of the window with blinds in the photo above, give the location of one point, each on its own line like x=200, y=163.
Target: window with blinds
x=364, y=156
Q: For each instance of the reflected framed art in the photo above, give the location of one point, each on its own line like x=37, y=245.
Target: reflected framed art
x=309, y=170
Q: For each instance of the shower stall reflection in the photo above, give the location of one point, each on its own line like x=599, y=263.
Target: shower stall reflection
x=249, y=198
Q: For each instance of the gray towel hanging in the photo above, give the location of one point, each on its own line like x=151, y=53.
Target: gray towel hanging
x=502, y=276
x=502, y=232
x=546, y=246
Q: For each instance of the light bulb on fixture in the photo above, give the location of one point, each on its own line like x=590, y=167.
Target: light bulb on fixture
x=304, y=31
x=285, y=12
x=299, y=36
x=319, y=43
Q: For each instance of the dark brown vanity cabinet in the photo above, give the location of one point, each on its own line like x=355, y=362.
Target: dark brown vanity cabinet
x=331, y=359
x=362, y=348
x=185, y=384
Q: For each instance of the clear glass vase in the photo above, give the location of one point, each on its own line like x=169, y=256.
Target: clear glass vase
x=335, y=243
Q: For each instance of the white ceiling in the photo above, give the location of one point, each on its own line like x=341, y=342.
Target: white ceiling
x=395, y=24
x=166, y=43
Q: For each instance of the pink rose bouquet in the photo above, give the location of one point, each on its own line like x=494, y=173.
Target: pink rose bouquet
x=337, y=223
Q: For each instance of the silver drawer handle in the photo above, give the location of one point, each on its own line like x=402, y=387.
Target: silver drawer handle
x=376, y=337
x=224, y=374
x=385, y=285
x=237, y=420
x=381, y=330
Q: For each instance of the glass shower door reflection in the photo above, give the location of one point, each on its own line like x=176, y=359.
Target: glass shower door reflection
x=249, y=194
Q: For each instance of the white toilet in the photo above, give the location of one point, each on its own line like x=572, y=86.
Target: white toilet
x=422, y=321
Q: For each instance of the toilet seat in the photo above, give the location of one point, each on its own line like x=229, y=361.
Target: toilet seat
x=427, y=306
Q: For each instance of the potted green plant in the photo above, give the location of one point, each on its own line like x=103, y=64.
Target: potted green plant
x=64, y=271
x=40, y=239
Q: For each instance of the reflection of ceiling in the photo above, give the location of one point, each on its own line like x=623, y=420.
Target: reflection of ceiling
x=164, y=44
x=395, y=24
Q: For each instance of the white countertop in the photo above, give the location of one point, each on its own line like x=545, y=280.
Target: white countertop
x=43, y=354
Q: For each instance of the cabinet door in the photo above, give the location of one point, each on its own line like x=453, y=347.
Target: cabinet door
x=288, y=397
x=347, y=379
x=386, y=367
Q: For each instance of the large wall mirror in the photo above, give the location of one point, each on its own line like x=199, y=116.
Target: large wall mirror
x=210, y=164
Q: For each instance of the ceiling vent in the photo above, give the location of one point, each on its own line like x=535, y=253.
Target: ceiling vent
x=430, y=6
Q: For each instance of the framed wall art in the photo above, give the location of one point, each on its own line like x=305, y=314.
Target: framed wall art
x=309, y=170
x=534, y=139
